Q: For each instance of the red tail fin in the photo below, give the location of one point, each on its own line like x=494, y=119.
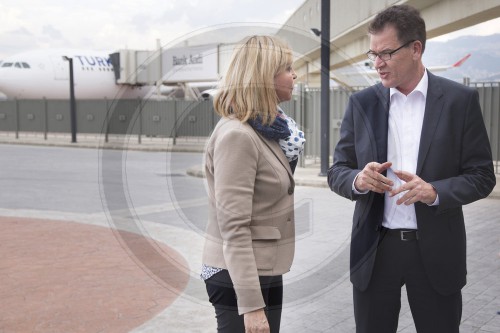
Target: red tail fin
x=461, y=61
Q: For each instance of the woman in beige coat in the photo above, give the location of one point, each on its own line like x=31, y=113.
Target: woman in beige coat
x=250, y=159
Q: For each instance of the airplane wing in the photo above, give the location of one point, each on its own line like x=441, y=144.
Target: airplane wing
x=455, y=65
x=373, y=73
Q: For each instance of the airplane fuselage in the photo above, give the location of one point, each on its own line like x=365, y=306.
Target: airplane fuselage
x=45, y=74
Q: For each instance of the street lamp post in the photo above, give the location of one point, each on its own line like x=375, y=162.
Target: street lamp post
x=325, y=86
x=72, y=112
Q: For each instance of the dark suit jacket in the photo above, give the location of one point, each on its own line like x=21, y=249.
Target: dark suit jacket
x=454, y=156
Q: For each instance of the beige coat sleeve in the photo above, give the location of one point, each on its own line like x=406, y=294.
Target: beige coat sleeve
x=235, y=163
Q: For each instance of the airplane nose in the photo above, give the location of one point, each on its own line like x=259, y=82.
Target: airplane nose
x=3, y=85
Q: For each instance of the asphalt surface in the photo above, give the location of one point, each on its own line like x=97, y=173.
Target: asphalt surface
x=108, y=238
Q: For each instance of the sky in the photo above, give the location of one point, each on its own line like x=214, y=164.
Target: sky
x=482, y=29
x=111, y=25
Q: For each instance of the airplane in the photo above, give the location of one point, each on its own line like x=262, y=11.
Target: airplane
x=364, y=73
x=45, y=74
x=41, y=74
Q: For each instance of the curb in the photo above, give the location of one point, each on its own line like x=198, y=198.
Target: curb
x=300, y=180
x=316, y=181
x=168, y=147
x=495, y=194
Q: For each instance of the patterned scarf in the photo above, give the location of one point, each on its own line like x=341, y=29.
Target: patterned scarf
x=293, y=145
x=284, y=130
x=276, y=131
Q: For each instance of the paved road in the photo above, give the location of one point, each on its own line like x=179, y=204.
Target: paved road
x=149, y=194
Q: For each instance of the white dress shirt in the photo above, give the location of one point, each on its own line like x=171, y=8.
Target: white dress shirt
x=406, y=115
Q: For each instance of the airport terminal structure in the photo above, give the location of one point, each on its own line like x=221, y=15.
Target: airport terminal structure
x=201, y=65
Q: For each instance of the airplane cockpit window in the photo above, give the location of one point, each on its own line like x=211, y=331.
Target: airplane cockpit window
x=15, y=64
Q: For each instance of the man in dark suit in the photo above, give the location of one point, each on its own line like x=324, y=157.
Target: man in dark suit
x=413, y=150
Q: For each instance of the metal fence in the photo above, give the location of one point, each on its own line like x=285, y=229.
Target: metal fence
x=172, y=119
x=489, y=98
x=308, y=115
x=122, y=117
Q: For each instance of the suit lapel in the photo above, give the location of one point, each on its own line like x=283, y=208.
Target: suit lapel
x=378, y=119
x=275, y=148
x=433, y=109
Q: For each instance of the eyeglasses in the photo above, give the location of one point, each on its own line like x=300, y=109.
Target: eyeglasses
x=386, y=55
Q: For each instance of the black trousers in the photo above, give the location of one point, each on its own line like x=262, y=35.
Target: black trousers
x=399, y=263
x=223, y=297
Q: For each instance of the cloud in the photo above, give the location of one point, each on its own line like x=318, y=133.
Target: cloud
x=52, y=32
x=16, y=41
x=114, y=24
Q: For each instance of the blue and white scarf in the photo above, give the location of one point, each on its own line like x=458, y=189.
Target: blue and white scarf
x=293, y=145
x=284, y=130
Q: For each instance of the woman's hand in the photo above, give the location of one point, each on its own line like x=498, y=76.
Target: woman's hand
x=256, y=322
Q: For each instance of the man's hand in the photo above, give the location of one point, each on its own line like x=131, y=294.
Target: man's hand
x=416, y=189
x=371, y=178
x=256, y=322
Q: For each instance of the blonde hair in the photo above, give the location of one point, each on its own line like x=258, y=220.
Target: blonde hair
x=248, y=90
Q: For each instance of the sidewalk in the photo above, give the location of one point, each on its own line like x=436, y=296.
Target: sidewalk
x=191, y=144
x=81, y=255
x=309, y=176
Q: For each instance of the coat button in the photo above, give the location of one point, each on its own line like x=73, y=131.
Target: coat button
x=290, y=190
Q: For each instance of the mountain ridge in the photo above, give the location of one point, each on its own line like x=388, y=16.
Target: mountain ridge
x=482, y=66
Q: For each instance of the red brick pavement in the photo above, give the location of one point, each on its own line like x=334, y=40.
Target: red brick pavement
x=58, y=276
